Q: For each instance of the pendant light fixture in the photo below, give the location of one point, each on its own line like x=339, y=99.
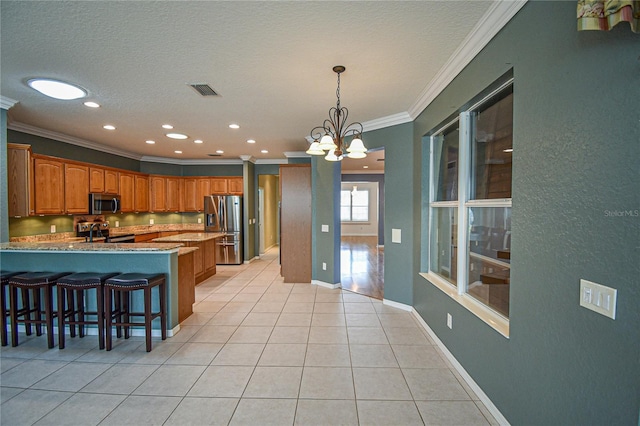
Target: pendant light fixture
x=330, y=136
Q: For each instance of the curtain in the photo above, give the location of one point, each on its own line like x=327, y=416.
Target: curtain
x=606, y=14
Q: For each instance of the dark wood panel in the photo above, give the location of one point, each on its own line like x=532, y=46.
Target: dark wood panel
x=295, y=225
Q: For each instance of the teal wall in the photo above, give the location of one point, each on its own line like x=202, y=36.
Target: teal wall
x=4, y=198
x=576, y=157
x=250, y=211
x=213, y=170
x=160, y=168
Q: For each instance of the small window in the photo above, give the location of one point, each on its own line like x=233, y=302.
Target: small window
x=354, y=205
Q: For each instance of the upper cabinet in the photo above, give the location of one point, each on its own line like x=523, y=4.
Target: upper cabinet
x=76, y=188
x=96, y=179
x=48, y=186
x=141, y=201
x=111, y=182
x=20, y=180
x=218, y=185
x=226, y=185
x=174, y=194
x=126, y=192
x=235, y=185
x=190, y=194
x=157, y=193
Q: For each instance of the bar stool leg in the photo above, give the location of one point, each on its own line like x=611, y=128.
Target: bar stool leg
x=163, y=311
x=107, y=317
x=81, y=314
x=147, y=317
x=3, y=302
x=49, y=314
x=61, y=316
x=13, y=303
x=126, y=305
x=100, y=315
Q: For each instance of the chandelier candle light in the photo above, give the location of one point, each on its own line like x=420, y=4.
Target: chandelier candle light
x=330, y=136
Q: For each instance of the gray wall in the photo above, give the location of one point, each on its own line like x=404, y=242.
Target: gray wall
x=576, y=157
x=325, y=206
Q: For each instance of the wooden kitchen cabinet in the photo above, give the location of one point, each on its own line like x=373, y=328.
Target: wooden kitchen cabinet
x=157, y=193
x=96, y=179
x=48, y=186
x=204, y=188
x=219, y=185
x=174, y=194
x=20, y=182
x=111, y=182
x=189, y=195
x=141, y=198
x=76, y=188
x=235, y=185
x=127, y=194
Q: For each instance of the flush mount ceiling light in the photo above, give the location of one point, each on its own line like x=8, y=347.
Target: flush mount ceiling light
x=177, y=136
x=197, y=141
x=109, y=127
x=167, y=126
x=330, y=136
x=234, y=126
x=92, y=104
x=264, y=151
x=150, y=142
x=250, y=141
x=219, y=151
x=57, y=89
x=178, y=152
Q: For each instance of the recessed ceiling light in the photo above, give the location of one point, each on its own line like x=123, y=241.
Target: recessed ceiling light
x=109, y=127
x=150, y=142
x=167, y=126
x=92, y=104
x=178, y=152
x=264, y=151
x=250, y=141
x=234, y=126
x=365, y=167
x=508, y=150
x=197, y=141
x=220, y=151
x=177, y=136
x=57, y=89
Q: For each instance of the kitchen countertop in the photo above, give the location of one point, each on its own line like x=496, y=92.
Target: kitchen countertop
x=92, y=247
x=190, y=237
x=186, y=250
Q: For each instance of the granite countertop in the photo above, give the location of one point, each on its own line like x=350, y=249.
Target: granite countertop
x=190, y=237
x=91, y=247
x=186, y=250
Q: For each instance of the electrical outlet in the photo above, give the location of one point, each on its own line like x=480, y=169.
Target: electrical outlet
x=325, y=228
x=117, y=223
x=324, y=266
x=449, y=320
x=53, y=229
x=199, y=220
x=151, y=221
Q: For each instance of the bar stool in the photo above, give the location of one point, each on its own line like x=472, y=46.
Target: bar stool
x=124, y=285
x=74, y=314
x=35, y=282
x=4, y=282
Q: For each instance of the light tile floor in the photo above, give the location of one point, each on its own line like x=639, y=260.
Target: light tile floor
x=256, y=351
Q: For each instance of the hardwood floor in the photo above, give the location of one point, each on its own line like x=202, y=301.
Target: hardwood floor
x=362, y=266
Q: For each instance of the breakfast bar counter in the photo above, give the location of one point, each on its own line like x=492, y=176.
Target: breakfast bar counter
x=158, y=258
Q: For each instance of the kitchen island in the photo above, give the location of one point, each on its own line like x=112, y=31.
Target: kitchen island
x=205, y=258
x=161, y=258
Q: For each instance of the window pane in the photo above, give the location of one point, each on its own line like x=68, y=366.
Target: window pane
x=345, y=198
x=490, y=256
x=492, y=149
x=445, y=154
x=360, y=214
x=444, y=237
x=345, y=213
x=360, y=198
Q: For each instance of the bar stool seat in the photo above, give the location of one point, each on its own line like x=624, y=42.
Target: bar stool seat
x=119, y=315
x=74, y=313
x=36, y=282
x=4, y=282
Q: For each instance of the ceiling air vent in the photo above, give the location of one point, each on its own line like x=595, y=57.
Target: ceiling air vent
x=204, y=89
x=214, y=155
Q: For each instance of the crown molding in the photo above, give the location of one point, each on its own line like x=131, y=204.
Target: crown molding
x=296, y=154
x=249, y=158
x=193, y=162
x=363, y=172
x=6, y=103
x=36, y=131
x=498, y=15
x=388, y=121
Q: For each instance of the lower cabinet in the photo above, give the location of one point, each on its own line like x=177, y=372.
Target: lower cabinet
x=186, y=284
x=204, y=261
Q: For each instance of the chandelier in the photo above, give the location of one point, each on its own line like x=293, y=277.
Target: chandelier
x=330, y=136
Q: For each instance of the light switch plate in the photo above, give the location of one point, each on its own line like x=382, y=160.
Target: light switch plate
x=598, y=298
x=396, y=236
x=151, y=222
x=117, y=223
x=53, y=229
x=325, y=228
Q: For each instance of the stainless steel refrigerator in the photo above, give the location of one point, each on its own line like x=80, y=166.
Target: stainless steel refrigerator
x=223, y=213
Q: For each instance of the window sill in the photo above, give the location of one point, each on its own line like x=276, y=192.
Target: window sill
x=491, y=318
x=355, y=223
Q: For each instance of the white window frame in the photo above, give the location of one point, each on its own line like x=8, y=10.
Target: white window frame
x=459, y=292
x=368, y=220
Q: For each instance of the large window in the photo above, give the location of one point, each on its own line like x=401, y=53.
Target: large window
x=470, y=227
x=354, y=205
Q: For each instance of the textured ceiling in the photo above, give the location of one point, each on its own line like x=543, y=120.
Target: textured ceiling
x=269, y=61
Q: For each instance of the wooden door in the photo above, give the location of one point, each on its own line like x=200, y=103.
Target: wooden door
x=158, y=193
x=49, y=186
x=126, y=184
x=235, y=185
x=76, y=188
x=141, y=199
x=172, y=203
x=295, y=223
x=111, y=182
x=96, y=179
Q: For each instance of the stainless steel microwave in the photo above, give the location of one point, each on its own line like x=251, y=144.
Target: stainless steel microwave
x=104, y=203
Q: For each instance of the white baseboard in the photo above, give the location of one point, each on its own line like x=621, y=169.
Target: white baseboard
x=398, y=305
x=460, y=369
x=326, y=285
x=246, y=262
